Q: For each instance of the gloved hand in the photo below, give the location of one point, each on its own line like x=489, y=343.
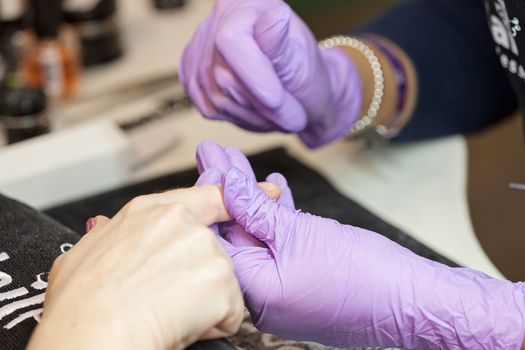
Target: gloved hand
x=315, y=279
x=256, y=64
x=213, y=162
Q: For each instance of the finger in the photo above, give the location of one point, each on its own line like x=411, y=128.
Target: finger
x=239, y=160
x=211, y=155
x=271, y=33
x=236, y=102
x=235, y=42
x=289, y=117
x=285, y=195
x=229, y=326
x=232, y=321
x=245, y=118
x=236, y=235
x=205, y=202
x=97, y=221
x=245, y=110
x=253, y=210
x=230, y=86
x=189, y=65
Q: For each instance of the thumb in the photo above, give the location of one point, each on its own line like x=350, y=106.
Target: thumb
x=259, y=215
x=271, y=32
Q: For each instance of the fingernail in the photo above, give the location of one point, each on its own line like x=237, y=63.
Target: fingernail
x=268, y=187
x=90, y=224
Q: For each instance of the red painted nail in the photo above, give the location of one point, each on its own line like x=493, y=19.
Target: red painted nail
x=90, y=224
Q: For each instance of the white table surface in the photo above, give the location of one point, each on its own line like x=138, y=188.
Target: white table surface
x=420, y=188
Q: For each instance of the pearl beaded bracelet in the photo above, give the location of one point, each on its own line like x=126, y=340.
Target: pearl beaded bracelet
x=367, y=120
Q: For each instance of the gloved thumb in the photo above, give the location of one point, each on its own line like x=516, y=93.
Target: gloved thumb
x=260, y=216
x=271, y=33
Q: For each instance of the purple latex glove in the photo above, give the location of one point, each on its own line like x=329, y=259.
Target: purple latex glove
x=340, y=285
x=213, y=162
x=256, y=64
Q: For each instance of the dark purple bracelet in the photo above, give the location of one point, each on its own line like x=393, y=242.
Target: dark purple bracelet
x=401, y=80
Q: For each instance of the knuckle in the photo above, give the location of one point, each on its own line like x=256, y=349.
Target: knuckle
x=176, y=211
x=137, y=202
x=223, y=268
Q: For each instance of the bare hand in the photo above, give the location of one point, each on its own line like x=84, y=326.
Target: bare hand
x=152, y=277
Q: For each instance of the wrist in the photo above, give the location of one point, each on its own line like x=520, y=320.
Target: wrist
x=345, y=104
x=88, y=329
x=347, y=86
x=401, y=71
x=399, y=87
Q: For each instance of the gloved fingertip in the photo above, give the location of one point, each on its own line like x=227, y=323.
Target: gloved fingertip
x=286, y=197
x=210, y=154
x=278, y=179
x=210, y=176
x=240, y=161
x=236, y=235
x=200, y=155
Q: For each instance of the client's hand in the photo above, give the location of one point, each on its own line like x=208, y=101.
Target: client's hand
x=153, y=277
x=316, y=279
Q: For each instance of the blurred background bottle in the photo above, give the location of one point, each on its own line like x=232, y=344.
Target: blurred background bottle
x=51, y=62
x=97, y=28
x=14, y=20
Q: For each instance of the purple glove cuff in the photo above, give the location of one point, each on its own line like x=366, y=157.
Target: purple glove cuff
x=347, y=92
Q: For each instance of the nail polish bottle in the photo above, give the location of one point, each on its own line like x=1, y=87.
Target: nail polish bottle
x=96, y=24
x=23, y=113
x=52, y=62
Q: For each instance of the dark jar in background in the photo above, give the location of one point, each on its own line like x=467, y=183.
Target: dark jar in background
x=23, y=113
x=97, y=27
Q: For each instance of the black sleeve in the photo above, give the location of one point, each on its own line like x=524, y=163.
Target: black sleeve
x=462, y=86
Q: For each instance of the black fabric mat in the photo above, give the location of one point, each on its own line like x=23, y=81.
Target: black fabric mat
x=311, y=191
